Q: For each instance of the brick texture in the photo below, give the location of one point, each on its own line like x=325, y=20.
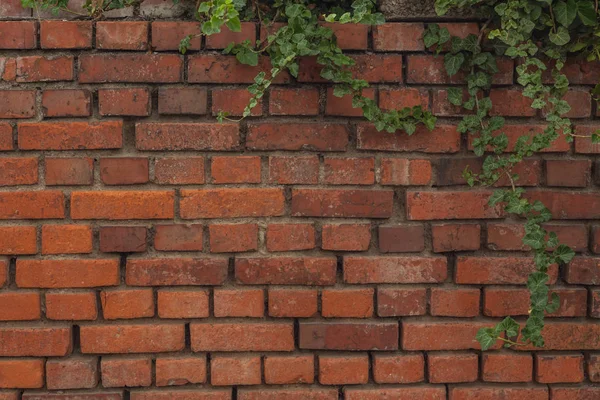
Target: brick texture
x=148, y=252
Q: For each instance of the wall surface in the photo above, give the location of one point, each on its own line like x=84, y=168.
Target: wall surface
x=149, y=252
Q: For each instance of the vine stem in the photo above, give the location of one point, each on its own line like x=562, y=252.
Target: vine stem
x=512, y=343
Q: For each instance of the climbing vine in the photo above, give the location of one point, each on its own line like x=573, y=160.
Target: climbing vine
x=539, y=34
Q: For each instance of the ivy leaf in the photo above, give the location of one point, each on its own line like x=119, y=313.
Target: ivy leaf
x=444, y=35
x=564, y=253
x=246, y=56
x=561, y=37
x=455, y=96
x=554, y=304
x=453, y=62
x=595, y=138
x=587, y=12
x=234, y=24
x=565, y=13
x=486, y=337
x=510, y=326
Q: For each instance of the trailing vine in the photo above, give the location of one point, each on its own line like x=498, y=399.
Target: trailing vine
x=539, y=34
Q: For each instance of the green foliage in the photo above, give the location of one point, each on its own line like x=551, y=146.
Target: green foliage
x=540, y=34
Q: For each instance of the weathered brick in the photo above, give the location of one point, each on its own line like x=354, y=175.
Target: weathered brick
x=66, y=239
x=455, y=237
x=166, y=35
x=507, y=367
x=208, y=68
x=242, y=337
x=182, y=370
x=131, y=102
x=351, y=303
x=402, y=368
x=349, y=171
x=19, y=306
x=239, y=303
x=69, y=171
x=122, y=35
x=401, y=238
x=394, y=269
x=442, y=139
x=35, y=342
x=288, y=237
x=47, y=204
x=182, y=101
x=290, y=136
x=120, y=205
x=343, y=370
x=70, y=135
x=17, y=103
x=45, y=69
x=127, y=304
x=226, y=36
x=236, y=369
x=342, y=203
x=67, y=273
x=176, y=271
x=22, y=374
x=183, y=303
x=241, y=169
x=234, y=102
x=289, y=370
x=178, y=237
x=122, y=339
x=450, y=205
x=18, y=240
x=352, y=336
x=399, y=37
x=498, y=393
x=294, y=170
x=497, y=270
x=297, y=101
x=156, y=136
x=346, y=237
x=231, y=203
x=151, y=68
x=66, y=103
x=286, y=270
x=299, y=303
x=129, y=372
x=559, y=368
x=441, y=335
x=398, y=302
x=71, y=306
x=17, y=35
x=66, y=34
x=124, y=171
x=72, y=373
x=454, y=302
x=179, y=171
x=123, y=239
x=452, y=367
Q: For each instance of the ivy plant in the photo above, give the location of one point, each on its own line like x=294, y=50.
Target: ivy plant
x=539, y=34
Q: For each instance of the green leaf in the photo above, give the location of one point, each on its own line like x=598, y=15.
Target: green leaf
x=564, y=253
x=453, y=62
x=204, y=7
x=486, y=337
x=455, y=96
x=587, y=12
x=565, y=13
x=510, y=326
x=234, y=24
x=247, y=56
x=561, y=37
x=595, y=138
x=554, y=304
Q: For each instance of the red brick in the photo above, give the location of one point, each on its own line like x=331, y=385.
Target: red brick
x=349, y=336
x=398, y=302
x=13, y=8
x=346, y=237
x=181, y=370
x=18, y=240
x=182, y=101
x=404, y=368
x=568, y=205
x=119, y=205
x=574, y=393
x=455, y=237
x=429, y=69
x=288, y=394
x=19, y=306
x=124, y=171
x=239, y=303
x=128, y=372
x=593, y=367
x=8, y=73
x=122, y=35
x=342, y=203
x=350, y=303
x=6, y=137
x=507, y=367
x=343, y=106
x=151, y=68
x=294, y=170
x=297, y=136
x=399, y=37
x=226, y=37
x=155, y=338
x=69, y=171
x=375, y=68
x=497, y=270
x=299, y=303
x=503, y=302
x=241, y=169
x=343, y=370
x=401, y=238
x=208, y=68
x=515, y=131
x=559, y=368
x=452, y=367
x=67, y=273
x=183, y=303
x=314, y=271
x=394, y=269
x=178, y=237
x=70, y=135
x=450, y=205
x=396, y=99
x=127, y=304
x=398, y=171
x=350, y=36
x=66, y=103
x=44, y=69
x=583, y=271
x=442, y=139
x=231, y=203
x=579, y=172
x=242, y=337
x=35, y=342
x=66, y=239
x=498, y=393
x=176, y=272
x=167, y=35
x=47, y=204
x=123, y=239
x=297, y=101
x=574, y=336
x=507, y=236
x=454, y=302
x=289, y=370
x=66, y=34
x=289, y=237
x=227, y=370
x=578, y=72
x=71, y=306
x=584, y=145
x=130, y=101
x=441, y=335
x=179, y=171
x=450, y=172
x=404, y=393
x=156, y=136
x=511, y=103
x=349, y=171
x=22, y=374
x=580, y=102
x=233, y=238
x=17, y=103
x=72, y=373
x=233, y=102
x=194, y=394
x=17, y=34
x=4, y=273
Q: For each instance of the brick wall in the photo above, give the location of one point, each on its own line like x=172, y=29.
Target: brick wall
x=149, y=252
